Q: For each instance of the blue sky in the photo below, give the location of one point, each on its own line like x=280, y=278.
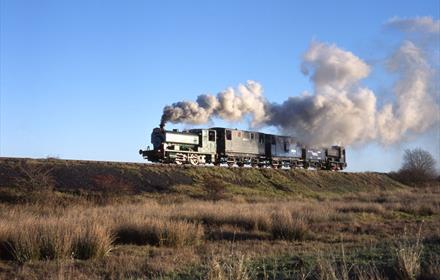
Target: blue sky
x=88, y=79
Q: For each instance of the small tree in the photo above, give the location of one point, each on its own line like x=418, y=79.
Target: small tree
x=418, y=166
x=35, y=177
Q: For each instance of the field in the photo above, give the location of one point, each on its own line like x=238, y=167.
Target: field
x=86, y=220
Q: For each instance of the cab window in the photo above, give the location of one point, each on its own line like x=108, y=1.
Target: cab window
x=261, y=138
x=228, y=135
x=211, y=135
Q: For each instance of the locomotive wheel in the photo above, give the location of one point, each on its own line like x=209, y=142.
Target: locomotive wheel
x=193, y=159
x=180, y=159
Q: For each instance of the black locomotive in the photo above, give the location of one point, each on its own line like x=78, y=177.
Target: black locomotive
x=232, y=147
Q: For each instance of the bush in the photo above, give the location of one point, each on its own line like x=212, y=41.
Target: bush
x=35, y=177
x=418, y=167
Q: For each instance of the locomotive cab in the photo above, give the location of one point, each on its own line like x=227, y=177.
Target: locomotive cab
x=157, y=137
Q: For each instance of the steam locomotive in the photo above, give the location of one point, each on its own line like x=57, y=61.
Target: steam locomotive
x=233, y=147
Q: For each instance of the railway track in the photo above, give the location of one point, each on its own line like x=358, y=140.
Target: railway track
x=5, y=160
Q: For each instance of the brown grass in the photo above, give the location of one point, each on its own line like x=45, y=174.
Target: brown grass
x=235, y=266
x=91, y=241
x=286, y=227
x=160, y=233
x=176, y=236
x=407, y=257
x=35, y=238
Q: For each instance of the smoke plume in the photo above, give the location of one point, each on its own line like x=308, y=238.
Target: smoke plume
x=340, y=110
x=230, y=104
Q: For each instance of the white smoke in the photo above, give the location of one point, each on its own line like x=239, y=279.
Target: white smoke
x=340, y=110
x=230, y=104
x=416, y=109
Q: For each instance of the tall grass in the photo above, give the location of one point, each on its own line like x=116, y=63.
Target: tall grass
x=53, y=238
x=81, y=231
x=236, y=267
x=160, y=233
x=36, y=240
x=407, y=257
x=91, y=241
x=286, y=227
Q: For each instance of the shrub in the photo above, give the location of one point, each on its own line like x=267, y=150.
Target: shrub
x=35, y=177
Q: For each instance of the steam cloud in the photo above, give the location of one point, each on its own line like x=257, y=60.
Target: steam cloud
x=339, y=110
x=230, y=104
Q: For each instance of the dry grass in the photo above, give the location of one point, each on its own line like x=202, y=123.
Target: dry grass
x=407, y=257
x=235, y=266
x=91, y=241
x=35, y=238
x=176, y=237
x=160, y=233
x=47, y=231
x=286, y=227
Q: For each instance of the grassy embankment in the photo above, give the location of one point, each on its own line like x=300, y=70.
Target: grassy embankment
x=88, y=220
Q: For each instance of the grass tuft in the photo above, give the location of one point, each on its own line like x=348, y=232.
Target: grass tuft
x=171, y=233
x=92, y=241
x=285, y=227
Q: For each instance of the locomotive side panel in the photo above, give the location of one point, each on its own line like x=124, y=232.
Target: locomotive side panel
x=239, y=142
x=238, y=146
x=314, y=154
x=283, y=147
x=181, y=138
x=244, y=142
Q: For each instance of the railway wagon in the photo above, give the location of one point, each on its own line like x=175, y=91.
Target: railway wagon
x=240, y=147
